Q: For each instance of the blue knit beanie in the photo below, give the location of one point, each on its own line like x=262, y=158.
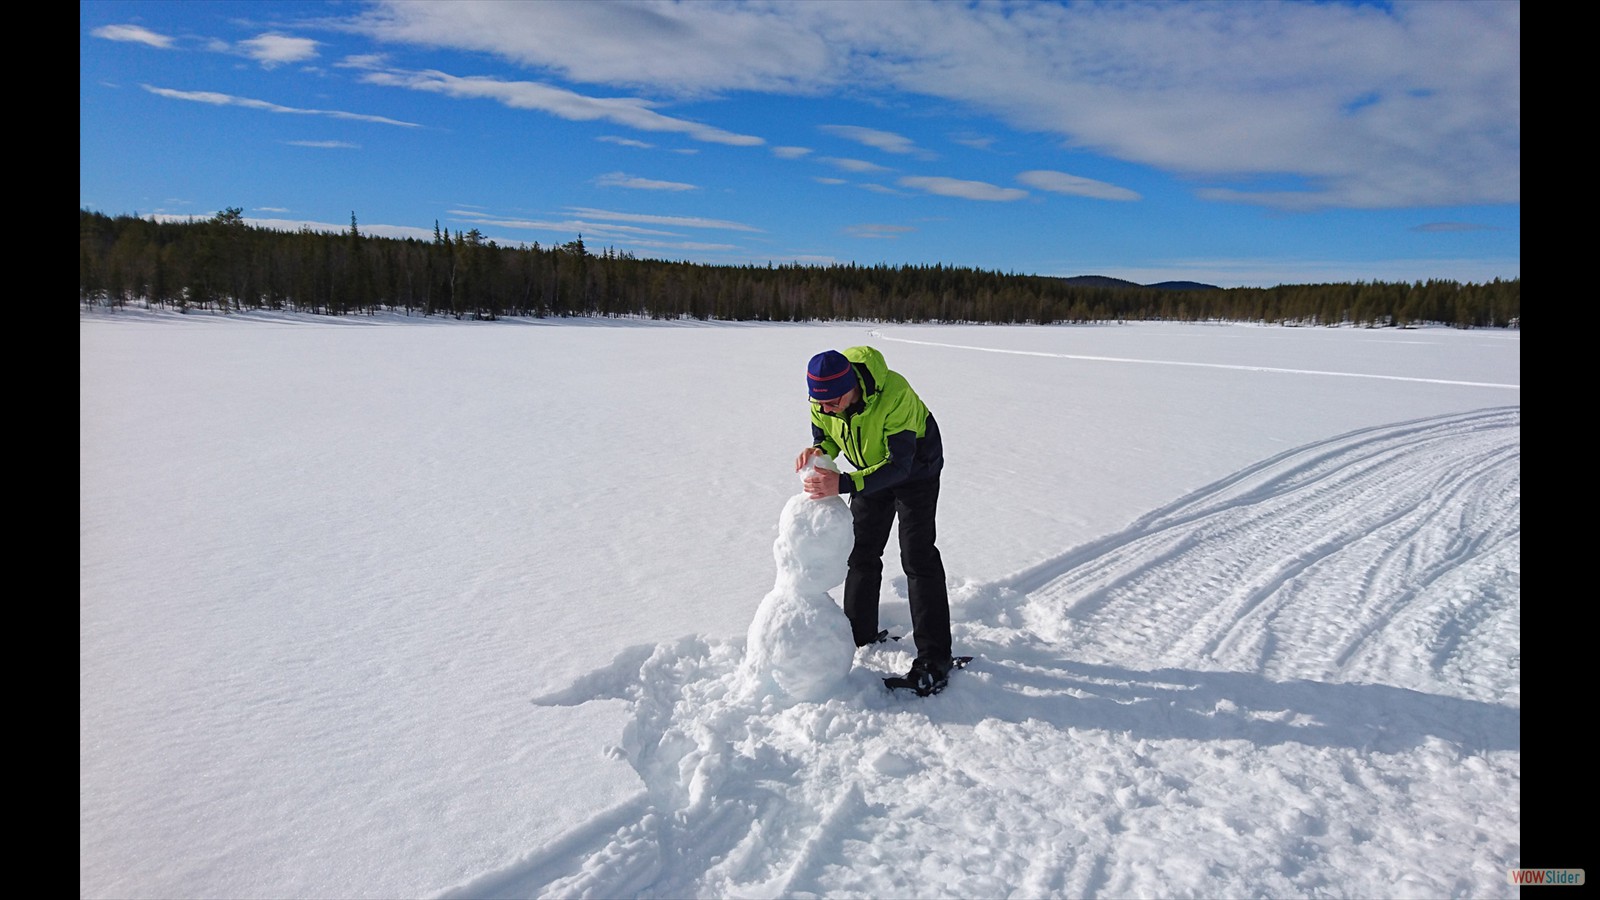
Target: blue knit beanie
x=830, y=376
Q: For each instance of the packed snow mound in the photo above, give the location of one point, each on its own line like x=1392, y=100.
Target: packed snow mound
x=813, y=545
x=799, y=643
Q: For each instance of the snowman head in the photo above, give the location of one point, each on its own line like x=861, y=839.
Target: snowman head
x=813, y=545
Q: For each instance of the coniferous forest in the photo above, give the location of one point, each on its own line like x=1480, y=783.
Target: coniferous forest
x=223, y=264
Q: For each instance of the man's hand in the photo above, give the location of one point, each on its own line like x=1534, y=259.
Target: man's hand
x=821, y=483
x=805, y=457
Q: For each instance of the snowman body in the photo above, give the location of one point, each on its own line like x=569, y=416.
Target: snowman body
x=800, y=642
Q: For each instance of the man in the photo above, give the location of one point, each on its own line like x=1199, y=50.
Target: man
x=870, y=414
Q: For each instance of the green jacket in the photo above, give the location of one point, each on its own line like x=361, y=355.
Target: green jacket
x=888, y=435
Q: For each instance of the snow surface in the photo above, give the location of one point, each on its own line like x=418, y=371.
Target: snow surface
x=377, y=607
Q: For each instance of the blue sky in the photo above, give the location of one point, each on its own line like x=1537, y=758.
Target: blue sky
x=1232, y=143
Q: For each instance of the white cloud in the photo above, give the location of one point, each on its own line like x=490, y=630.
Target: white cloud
x=956, y=187
x=1062, y=183
x=684, y=49
x=975, y=141
x=134, y=34
x=564, y=226
x=218, y=99
x=887, y=141
x=852, y=165
x=363, y=61
x=631, y=112
x=271, y=50
x=634, y=182
x=673, y=221
x=624, y=142
x=1454, y=226
x=790, y=152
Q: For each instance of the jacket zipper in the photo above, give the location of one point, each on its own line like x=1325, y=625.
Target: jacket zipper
x=852, y=443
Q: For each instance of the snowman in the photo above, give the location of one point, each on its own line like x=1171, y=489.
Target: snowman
x=799, y=643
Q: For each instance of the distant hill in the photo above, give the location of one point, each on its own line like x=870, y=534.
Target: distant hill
x=1107, y=281
x=1183, y=286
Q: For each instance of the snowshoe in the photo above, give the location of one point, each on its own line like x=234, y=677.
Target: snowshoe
x=925, y=678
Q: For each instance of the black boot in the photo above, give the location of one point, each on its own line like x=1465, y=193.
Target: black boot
x=928, y=676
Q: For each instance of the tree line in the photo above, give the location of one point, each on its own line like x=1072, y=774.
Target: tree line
x=224, y=264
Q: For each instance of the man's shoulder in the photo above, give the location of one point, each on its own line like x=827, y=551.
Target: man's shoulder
x=894, y=381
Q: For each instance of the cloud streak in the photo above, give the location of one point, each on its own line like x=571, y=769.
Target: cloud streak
x=887, y=141
x=888, y=232
x=631, y=112
x=215, y=98
x=852, y=165
x=671, y=221
x=1062, y=183
x=634, y=182
x=956, y=187
x=134, y=34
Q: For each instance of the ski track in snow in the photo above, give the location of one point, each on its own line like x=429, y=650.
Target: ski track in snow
x=1340, y=620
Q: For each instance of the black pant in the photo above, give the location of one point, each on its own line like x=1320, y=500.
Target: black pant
x=915, y=502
